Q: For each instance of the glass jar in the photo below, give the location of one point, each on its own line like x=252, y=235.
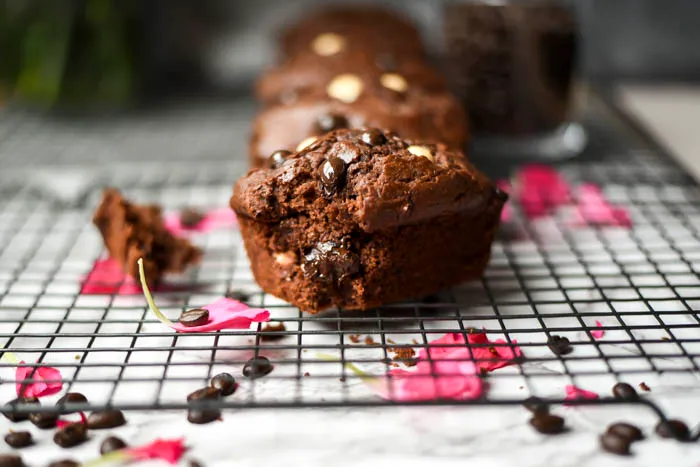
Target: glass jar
x=512, y=64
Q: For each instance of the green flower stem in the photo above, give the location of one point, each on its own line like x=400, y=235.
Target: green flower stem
x=149, y=298
x=9, y=357
x=350, y=366
x=109, y=458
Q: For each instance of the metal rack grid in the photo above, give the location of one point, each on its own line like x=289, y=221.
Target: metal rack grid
x=544, y=278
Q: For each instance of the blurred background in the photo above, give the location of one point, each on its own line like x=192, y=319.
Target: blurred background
x=132, y=62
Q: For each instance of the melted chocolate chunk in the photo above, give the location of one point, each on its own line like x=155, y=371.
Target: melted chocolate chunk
x=278, y=158
x=224, y=383
x=106, y=419
x=194, y=317
x=112, y=444
x=625, y=392
x=330, y=122
x=547, y=424
x=190, y=218
x=330, y=262
x=626, y=430
x=332, y=173
x=674, y=429
x=615, y=444
x=373, y=137
x=19, y=439
x=71, y=435
x=257, y=367
x=559, y=345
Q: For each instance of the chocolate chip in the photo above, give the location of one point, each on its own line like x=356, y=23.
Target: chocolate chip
x=330, y=262
x=10, y=460
x=71, y=398
x=674, y=429
x=536, y=405
x=330, y=122
x=257, y=367
x=16, y=416
x=205, y=394
x=44, y=420
x=615, y=444
x=332, y=173
x=224, y=383
x=278, y=158
x=194, y=317
x=547, y=424
x=625, y=392
x=70, y=435
x=106, y=419
x=626, y=430
x=112, y=444
x=190, y=218
x=202, y=416
x=273, y=332
x=559, y=345
x=19, y=439
x=65, y=463
x=373, y=137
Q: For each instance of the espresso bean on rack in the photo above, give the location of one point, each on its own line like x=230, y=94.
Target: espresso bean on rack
x=615, y=444
x=625, y=392
x=112, y=444
x=203, y=416
x=70, y=435
x=257, y=367
x=19, y=439
x=536, y=405
x=105, y=419
x=547, y=424
x=17, y=416
x=237, y=295
x=65, y=463
x=626, y=430
x=11, y=460
x=225, y=383
x=673, y=429
x=204, y=394
x=559, y=345
x=190, y=218
x=44, y=420
x=72, y=398
x=194, y=317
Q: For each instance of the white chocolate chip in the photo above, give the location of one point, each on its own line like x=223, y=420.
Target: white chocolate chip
x=306, y=142
x=421, y=151
x=328, y=43
x=346, y=88
x=285, y=259
x=394, y=81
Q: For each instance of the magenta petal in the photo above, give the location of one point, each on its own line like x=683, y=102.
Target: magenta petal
x=448, y=379
x=495, y=357
x=46, y=381
x=443, y=347
x=573, y=393
x=598, y=333
x=596, y=210
x=169, y=450
x=540, y=189
x=226, y=313
x=107, y=277
x=213, y=220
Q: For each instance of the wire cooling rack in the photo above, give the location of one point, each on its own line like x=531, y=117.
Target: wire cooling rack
x=544, y=278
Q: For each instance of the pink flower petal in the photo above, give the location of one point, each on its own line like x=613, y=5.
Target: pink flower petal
x=573, y=393
x=594, y=209
x=493, y=357
x=45, y=381
x=540, y=189
x=447, y=379
x=598, y=333
x=107, y=277
x=60, y=423
x=169, y=450
x=226, y=313
x=213, y=220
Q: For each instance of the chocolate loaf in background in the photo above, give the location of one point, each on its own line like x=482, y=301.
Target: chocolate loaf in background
x=354, y=66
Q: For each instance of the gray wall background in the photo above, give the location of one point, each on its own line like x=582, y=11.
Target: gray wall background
x=621, y=39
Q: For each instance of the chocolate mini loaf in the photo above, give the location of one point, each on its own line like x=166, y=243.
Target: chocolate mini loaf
x=131, y=231
x=362, y=218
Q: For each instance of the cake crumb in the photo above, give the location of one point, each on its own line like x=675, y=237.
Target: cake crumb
x=414, y=341
x=404, y=354
x=369, y=340
x=355, y=338
x=341, y=379
x=306, y=373
x=390, y=340
x=643, y=386
x=270, y=331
